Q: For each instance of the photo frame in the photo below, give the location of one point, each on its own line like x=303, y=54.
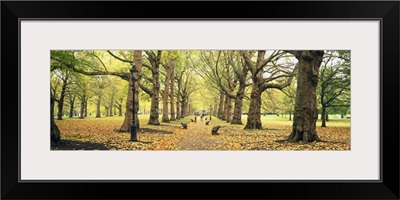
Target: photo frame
x=386, y=188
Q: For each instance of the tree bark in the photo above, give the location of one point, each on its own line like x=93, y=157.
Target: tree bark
x=306, y=112
x=165, y=117
x=98, y=114
x=237, y=112
x=221, y=108
x=155, y=62
x=178, y=99
x=62, y=96
x=120, y=110
x=172, y=93
x=111, y=105
x=54, y=131
x=227, y=108
x=323, y=116
x=126, y=126
x=86, y=106
x=184, y=108
x=82, y=115
x=71, y=106
x=254, y=114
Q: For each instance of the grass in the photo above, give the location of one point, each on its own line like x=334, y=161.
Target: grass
x=101, y=134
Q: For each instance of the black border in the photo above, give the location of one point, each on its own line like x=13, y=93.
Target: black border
x=388, y=12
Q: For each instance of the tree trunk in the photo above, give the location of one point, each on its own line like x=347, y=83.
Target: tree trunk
x=183, y=107
x=126, y=126
x=98, y=114
x=165, y=117
x=327, y=117
x=86, y=106
x=178, y=108
x=228, y=109
x=155, y=92
x=254, y=114
x=215, y=109
x=111, y=105
x=237, y=112
x=323, y=116
x=71, y=107
x=54, y=131
x=107, y=110
x=137, y=56
x=290, y=116
x=120, y=109
x=221, y=109
x=82, y=116
x=62, y=96
x=171, y=94
x=306, y=112
x=178, y=99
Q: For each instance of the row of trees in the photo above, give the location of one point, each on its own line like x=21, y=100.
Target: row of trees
x=256, y=75
x=90, y=75
x=172, y=77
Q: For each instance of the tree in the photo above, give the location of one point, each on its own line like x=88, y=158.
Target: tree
x=266, y=73
x=154, y=67
x=168, y=68
x=72, y=97
x=221, y=106
x=178, y=95
x=334, y=82
x=240, y=70
x=172, y=93
x=188, y=86
x=306, y=112
x=89, y=63
x=54, y=131
x=64, y=76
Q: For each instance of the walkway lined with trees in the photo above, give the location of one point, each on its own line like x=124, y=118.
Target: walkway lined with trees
x=171, y=85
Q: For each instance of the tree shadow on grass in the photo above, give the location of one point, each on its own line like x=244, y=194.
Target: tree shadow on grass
x=78, y=145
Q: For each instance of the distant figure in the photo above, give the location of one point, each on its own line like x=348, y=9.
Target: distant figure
x=184, y=125
x=192, y=120
x=195, y=118
x=201, y=117
x=207, y=123
x=215, y=129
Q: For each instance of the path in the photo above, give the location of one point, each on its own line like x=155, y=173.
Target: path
x=198, y=137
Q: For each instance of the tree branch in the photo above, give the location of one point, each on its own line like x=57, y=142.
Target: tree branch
x=149, y=92
x=120, y=59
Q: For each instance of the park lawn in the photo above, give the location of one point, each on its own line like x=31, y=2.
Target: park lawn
x=101, y=134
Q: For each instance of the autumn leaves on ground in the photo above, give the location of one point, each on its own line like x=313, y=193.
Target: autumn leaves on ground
x=101, y=134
